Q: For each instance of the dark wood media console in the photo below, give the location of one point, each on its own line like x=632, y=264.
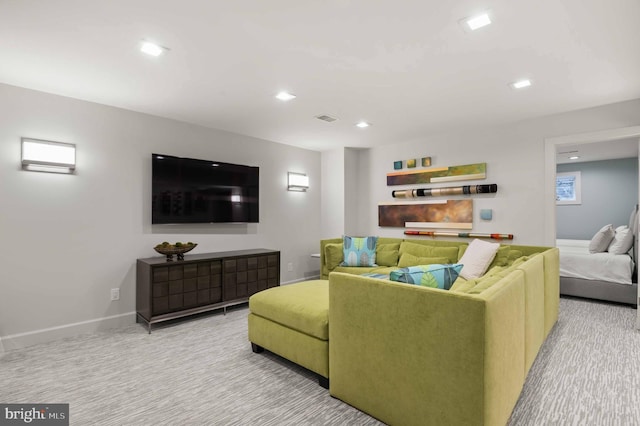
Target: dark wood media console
x=201, y=282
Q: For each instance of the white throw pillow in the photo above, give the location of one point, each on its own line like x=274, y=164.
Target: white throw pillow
x=622, y=241
x=600, y=242
x=477, y=258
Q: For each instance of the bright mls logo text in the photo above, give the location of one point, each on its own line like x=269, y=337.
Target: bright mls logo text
x=39, y=414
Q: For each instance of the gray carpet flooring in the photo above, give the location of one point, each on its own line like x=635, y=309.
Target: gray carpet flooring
x=202, y=372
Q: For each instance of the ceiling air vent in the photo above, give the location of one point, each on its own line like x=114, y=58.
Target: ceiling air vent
x=326, y=118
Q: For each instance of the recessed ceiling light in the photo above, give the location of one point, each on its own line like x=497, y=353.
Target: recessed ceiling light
x=285, y=96
x=478, y=21
x=363, y=124
x=521, y=84
x=574, y=157
x=152, y=48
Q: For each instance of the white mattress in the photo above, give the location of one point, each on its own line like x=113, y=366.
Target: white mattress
x=577, y=262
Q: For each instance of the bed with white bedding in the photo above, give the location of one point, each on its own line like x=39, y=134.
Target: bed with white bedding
x=577, y=262
x=603, y=275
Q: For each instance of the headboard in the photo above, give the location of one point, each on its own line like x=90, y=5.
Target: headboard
x=633, y=225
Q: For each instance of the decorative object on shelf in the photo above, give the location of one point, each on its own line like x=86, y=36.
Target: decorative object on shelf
x=451, y=190
x=411, y=164
x=459, y=234
x=178, y=249
x=440, y=174
x=486, y=214
x=426, y=161
x=397, y=165
x=452, y=214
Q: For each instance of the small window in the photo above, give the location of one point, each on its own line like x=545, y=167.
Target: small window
x=568, y=190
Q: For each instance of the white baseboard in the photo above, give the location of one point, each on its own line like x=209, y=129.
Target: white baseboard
x=21, y=340
x=299, y=280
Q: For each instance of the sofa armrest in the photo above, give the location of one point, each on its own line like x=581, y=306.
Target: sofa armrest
x=415, y=355
x=324, y=271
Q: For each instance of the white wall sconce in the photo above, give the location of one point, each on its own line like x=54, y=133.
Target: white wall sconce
x=297, y=182
x=47, y=156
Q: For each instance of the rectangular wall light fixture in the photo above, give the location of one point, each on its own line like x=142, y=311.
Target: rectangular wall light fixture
x=47, y=156
x=297, y=182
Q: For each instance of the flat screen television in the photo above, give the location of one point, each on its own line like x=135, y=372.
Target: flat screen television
x=185, y=190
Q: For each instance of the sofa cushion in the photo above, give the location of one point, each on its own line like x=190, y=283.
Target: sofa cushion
x=333, y=255
x=495, y=274
x=407, y=259
x=436, y=276
x=387, y=254
x=420, y=250
x=477, y=258
x=302, y=306
x=505, y=256
x=359, y=251
x=460, y=285
x=484, y=284
x=356, y=270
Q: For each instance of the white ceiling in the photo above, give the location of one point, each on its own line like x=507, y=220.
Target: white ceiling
x=598, y=151
x=405, y=66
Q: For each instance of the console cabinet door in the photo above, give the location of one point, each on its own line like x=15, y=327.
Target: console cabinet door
x=248, y=275
x=179, y=287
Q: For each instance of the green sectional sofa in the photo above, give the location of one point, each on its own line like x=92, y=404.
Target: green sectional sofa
x=413, y=355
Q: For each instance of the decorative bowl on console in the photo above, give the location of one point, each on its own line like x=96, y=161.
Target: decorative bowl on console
x=178, y=249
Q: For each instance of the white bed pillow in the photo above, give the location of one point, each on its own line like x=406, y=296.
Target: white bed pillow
x=622, y=241
x=633, y=220
x=477, y=258
x=600, y=242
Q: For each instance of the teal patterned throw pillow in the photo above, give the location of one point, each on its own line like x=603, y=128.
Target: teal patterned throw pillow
x=436, y=275
x=359, y=251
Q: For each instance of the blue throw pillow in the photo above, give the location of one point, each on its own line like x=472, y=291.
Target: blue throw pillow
x=436, y=275
x=359, y=251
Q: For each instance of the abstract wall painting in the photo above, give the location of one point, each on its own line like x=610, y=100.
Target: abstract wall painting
x=459, y=234
x=451, y=190
x=449, y=214
x=412, y=163
x=440, y=174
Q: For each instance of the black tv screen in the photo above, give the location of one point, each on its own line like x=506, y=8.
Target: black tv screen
x=185, y=190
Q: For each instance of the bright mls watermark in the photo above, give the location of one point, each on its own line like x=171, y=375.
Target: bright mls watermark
x=34, y=414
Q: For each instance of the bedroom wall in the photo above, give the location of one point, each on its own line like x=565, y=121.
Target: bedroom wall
x=515, y=157
x=68, y=239
x=609, y=194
